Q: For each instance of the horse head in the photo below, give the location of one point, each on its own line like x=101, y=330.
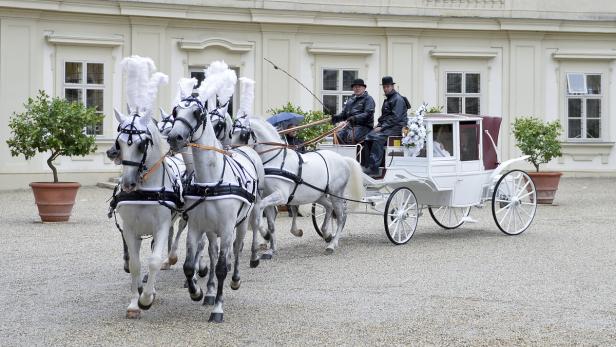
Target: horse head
x=242, y=133
x=134, y=147
x=188, y=116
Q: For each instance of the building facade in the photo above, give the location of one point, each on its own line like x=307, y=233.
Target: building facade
x=509, y=58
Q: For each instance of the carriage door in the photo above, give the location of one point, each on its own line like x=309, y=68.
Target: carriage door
x=471, y=175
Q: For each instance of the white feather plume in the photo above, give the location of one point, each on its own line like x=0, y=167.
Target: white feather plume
x=185, y=89
x=141, y=88
x=226, y=90
x=247, y=96
x=212, y=82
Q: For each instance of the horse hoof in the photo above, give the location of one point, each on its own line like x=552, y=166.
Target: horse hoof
x=216, y=317
x=146, y=307
x=235, y=285
x=133, y=314
x=165, y=266
x=254, y=263
x=197, y=297
x=140, y=290
x=145, y=278
x=173, y=260
x=202, y=273
x=328, y=239
x=297, y=233
x=209, y=300
x=329, y=251
x=127, y=270
x=263, y=246
x=267, y=237
x=266, y=256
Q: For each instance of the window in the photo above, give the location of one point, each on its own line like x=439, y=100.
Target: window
x=336, y=88
x=200, y=76
x=469, y=141
x=85, y=83
x=443, y=140
x=463, y=92
x=583, y=104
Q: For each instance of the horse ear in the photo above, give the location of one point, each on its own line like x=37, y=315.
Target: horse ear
x=163, y=115
x=118, y=115
x=128, y=110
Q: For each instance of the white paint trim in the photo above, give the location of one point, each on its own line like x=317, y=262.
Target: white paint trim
x=74, y=40
x=438, y=53
x=584, y=55
x=354, y=50
x=233, y=46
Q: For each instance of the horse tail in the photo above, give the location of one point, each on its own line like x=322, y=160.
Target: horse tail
x=355, y=186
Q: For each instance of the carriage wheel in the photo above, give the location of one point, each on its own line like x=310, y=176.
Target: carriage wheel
x=401, y=214
x=318, y=216
x=514, y=202
x=448, y=217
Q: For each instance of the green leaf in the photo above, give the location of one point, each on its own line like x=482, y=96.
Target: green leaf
x=538, y=139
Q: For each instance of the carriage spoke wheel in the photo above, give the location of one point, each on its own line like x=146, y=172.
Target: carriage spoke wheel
x=318, y=217
x=514, y=202
x=401, y=214
x=448, y=217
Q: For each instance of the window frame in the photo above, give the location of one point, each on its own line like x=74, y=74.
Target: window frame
x=584, y=97
x=340, y=93
x=463, y=94
x=84, y=87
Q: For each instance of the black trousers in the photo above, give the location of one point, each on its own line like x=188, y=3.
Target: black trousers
x=374, y=150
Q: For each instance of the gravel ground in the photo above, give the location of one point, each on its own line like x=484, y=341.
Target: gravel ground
x=63, y=284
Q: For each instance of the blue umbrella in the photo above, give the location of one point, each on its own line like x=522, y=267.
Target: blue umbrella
x=286, y=118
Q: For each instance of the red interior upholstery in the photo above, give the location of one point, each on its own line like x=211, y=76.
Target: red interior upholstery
x=492, y=125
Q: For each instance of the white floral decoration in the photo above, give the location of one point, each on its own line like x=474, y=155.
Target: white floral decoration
x=416, y=132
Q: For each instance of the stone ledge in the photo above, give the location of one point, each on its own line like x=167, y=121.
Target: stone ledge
x=586, y=151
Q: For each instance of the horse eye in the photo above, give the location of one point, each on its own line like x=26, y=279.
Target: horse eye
x=174, y=113
x=196, y=113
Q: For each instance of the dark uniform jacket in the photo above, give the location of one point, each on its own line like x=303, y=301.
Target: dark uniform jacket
x=393, y=115
x=361, y=108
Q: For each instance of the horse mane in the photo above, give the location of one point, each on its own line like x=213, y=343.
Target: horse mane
x=262, y=128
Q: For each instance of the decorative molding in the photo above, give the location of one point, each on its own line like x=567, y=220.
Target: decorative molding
x=233, y=46
x=487, y=4
x=341, y=50
x=584, y=55
x=586, y=151
x=477, y=54
x=75, y=40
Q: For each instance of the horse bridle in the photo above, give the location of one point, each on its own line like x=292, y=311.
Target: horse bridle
x=246, y=132
x=130, y=129
x=219, y=128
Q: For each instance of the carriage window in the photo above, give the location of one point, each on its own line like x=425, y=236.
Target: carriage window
x=85, y=83
x=469, y=141
x=443, y=140
x=336, y=88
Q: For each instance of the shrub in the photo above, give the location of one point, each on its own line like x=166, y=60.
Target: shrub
x=52, y=125
x=538, y=139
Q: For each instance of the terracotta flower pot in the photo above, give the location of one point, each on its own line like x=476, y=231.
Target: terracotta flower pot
x=55, y=200
x=546, y=184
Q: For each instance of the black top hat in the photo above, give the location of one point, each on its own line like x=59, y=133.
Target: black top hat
x=358, y=82
x=387, y=80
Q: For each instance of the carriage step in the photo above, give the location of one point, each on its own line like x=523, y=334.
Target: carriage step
x=468, y=219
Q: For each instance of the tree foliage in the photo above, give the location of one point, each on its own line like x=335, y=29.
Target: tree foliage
x=309, y=117
x=538, y=139
x=52, y=125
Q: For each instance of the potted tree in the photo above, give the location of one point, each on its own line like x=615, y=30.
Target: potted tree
x=55, y=126
x=539, y=140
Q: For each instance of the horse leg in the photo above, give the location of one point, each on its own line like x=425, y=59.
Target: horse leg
x=165, y=265
x=173, y=253
x=156, y=259
x=238, y=244
x=255, y=224
x=133, y=245
x=189, y=264
x=294, y=230
x=200, y=261
x=341, y=215
x=126, y=255
x=327, y=204
x=210, y=297
x=217, y=314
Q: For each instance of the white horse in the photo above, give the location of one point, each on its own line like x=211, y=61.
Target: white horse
x=146, y=206
x=291, y=178
x=221, y=198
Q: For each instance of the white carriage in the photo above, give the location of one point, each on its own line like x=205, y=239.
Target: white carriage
x=457, y=169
